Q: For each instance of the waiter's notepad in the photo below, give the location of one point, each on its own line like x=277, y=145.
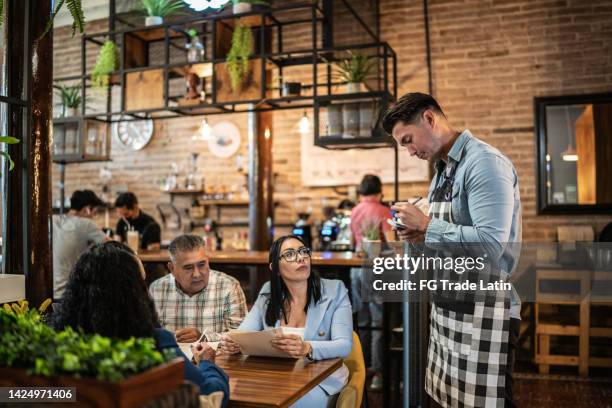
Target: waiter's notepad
x=257, y=343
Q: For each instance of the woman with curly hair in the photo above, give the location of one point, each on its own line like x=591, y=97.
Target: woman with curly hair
x=107, y=294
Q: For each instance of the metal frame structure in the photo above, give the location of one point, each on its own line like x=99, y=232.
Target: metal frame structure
x=276, y=18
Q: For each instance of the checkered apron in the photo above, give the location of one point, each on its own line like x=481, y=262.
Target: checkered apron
x=468, y=343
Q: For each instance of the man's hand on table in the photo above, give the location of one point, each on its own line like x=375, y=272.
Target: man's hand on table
x=187, y=335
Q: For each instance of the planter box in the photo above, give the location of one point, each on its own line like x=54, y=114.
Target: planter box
x=131, y=392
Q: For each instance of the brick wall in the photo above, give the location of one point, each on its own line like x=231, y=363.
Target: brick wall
x=490, y=59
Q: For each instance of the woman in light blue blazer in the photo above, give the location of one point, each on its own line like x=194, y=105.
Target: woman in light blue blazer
x=297, y=300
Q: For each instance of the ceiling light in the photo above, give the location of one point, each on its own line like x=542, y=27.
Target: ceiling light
x=304, y=124
x=569, y=154
x=201, y=5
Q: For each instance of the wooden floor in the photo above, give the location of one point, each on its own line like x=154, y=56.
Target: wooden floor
x=550, y=391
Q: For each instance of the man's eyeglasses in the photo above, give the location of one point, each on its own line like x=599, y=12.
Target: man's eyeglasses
x=291, y=255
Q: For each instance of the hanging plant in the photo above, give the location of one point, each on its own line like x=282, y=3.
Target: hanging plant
x=74, y=7
x=238, y=56
x=106, y=63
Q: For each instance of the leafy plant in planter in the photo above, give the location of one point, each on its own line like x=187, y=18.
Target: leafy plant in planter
x=158, y=9
x=371, y=243
x=106, y=63
x=355, y=70
x=70, y=95
x=238, y=56
x=32, y=345
x=8, y=140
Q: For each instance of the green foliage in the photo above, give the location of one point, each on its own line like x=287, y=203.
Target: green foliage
x=8, y=140
x=238, y=56
x=70, y=95
x=192, y=32
x=371, y=231
x=74, y=7
x=76, y=11
x=261, y=2
x=30, y=344
x=355, y=69
x=163, y=8
x=106, y=63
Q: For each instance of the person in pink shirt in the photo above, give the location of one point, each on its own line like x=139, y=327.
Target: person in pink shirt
x=369, y=213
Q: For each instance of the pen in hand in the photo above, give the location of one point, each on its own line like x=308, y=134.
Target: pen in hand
x=417, y=200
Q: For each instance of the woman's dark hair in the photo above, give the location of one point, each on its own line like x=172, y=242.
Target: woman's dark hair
x=370, y=185
x=279, y=294
x=107, y=295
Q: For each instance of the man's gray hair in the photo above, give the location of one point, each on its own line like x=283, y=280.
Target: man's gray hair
x=185, y=243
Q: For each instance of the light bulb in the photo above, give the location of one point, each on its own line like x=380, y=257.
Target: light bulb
x=304, y=124
x=204, y=132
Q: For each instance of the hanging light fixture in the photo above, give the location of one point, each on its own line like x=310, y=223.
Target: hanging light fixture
x=204, y=133
x=304, y=124
x=200, y=5
x=569, y=154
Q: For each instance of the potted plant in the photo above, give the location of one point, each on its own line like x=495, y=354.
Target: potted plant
x=105, y=64
x=158, y=9
x=106, y=372
x=371, y=243
x=238, y=56
x=71, y=99
x=245, y=6
x=355, y=70
x=195, y=48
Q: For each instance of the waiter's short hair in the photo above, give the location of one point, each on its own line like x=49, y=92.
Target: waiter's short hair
x=84, y=198
x=370, y=185
x=408, y=109
x=185, y=243
x=127, y=200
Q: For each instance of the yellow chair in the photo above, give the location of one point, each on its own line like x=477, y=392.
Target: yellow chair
x=352, y=393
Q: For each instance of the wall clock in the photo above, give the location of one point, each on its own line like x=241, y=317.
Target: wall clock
x=134, y=134
x=224, y=140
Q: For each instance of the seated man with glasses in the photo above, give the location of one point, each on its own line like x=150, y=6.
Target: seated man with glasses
x=315, y=315
x=195, y=300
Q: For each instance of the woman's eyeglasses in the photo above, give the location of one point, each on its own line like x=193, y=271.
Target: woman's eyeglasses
x=291, y=255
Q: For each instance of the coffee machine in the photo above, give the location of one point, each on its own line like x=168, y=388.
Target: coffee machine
x=334, y=231
x=302, y=227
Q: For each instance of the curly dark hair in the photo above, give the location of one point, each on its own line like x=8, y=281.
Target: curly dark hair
x=107, y=295
x=278, y=290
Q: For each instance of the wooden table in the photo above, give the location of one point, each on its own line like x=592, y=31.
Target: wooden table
x=272, y=382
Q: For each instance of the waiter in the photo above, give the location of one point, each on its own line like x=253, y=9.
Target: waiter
x=473, y=202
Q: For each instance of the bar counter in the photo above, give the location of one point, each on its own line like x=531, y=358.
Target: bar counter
x=345, y=259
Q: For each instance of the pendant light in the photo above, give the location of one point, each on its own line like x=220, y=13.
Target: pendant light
x=304, y=124
x=569, y=154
